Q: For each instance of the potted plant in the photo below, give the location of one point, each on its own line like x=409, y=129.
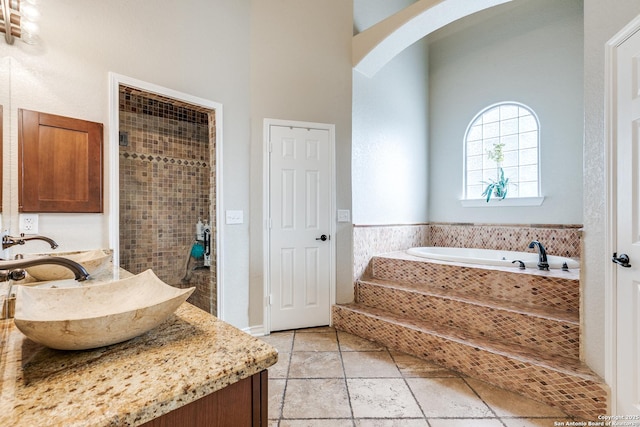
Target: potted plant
x=499, y=186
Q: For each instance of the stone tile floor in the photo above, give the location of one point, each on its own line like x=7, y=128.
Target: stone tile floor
x=329, y=378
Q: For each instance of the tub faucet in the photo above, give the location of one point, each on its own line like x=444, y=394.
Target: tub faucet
x=8, y=241
x=13, y=269
x=542, y=255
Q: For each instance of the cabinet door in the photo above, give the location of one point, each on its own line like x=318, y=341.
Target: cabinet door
x=241, y=404
x=60, y=163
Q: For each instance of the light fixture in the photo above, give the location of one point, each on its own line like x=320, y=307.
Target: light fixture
x=17, y=20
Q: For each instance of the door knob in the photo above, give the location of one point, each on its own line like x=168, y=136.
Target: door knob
x=623, y=259
x=324, y=237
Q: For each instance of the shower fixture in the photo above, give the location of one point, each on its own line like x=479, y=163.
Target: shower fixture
x=17, y=20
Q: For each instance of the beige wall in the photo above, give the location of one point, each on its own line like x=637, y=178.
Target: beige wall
x=301, y=70
x=200, y=48
x=390, y=130
x=267, y=58
x=479, y=61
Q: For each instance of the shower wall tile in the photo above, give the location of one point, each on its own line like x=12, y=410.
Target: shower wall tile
x=165, y=188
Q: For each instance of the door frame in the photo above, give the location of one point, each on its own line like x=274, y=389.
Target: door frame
x=115, y=80
x=267, y=123
x=610, y=282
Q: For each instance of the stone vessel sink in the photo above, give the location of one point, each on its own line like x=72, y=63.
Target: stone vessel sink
x=93, y=261
x=83, y=317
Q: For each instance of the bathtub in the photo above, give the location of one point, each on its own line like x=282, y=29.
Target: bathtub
x=489, y=257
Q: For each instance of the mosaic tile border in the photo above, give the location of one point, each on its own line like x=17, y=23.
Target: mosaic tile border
x=163, y=159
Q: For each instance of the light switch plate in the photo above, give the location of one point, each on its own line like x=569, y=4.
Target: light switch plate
x=234, y=217
x=28, y=223
x=344, y=215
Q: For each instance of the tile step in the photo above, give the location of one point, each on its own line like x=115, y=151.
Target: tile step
x=548, y=313
x=563, y=382
x=534, y=289
x=545, y=331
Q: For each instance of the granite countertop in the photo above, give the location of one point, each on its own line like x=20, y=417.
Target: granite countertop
x=190, y=355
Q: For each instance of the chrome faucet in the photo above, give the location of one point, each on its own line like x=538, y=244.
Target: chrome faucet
x=13, y=269
x=542, y=255
x=8, y=241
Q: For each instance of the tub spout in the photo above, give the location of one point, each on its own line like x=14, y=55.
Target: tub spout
x=542, y=255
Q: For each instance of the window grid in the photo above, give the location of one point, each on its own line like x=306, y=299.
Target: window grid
x=516, y=127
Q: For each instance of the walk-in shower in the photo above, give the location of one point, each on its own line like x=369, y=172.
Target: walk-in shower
x=167, y=187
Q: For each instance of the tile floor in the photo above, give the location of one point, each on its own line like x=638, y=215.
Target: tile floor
x=329, y=378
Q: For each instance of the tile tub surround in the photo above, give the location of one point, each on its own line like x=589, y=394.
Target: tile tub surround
x=515, y=329
x=189, y=356
x=541, y=330
x=167, y=183
x=555, y=289
x=332, y=378
x=370, y=240
x=373, y=240
x=561, y=240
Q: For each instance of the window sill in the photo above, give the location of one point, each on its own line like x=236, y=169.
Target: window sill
x=508, y=202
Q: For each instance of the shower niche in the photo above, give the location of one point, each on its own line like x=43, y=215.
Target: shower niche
x=167, y=192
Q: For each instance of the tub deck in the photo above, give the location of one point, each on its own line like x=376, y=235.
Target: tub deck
x=572, y=274
x=492, y=257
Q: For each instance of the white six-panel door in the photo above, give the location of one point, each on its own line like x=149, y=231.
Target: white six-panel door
x=627, y=233
x=300, y=215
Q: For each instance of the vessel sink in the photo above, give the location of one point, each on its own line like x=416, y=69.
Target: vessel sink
x=78, y=318
x=93, y=261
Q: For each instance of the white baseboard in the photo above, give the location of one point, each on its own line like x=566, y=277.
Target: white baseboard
x=256, y=331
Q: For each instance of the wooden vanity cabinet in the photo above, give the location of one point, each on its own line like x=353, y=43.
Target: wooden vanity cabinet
x=242, y=404
x=60, y=163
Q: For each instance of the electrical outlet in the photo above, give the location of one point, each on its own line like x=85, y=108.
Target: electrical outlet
x=28, y=223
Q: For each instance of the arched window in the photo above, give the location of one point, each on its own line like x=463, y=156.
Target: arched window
x=502, y=142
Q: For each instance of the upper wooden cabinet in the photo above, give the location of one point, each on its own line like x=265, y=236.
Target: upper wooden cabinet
x=60, y=163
